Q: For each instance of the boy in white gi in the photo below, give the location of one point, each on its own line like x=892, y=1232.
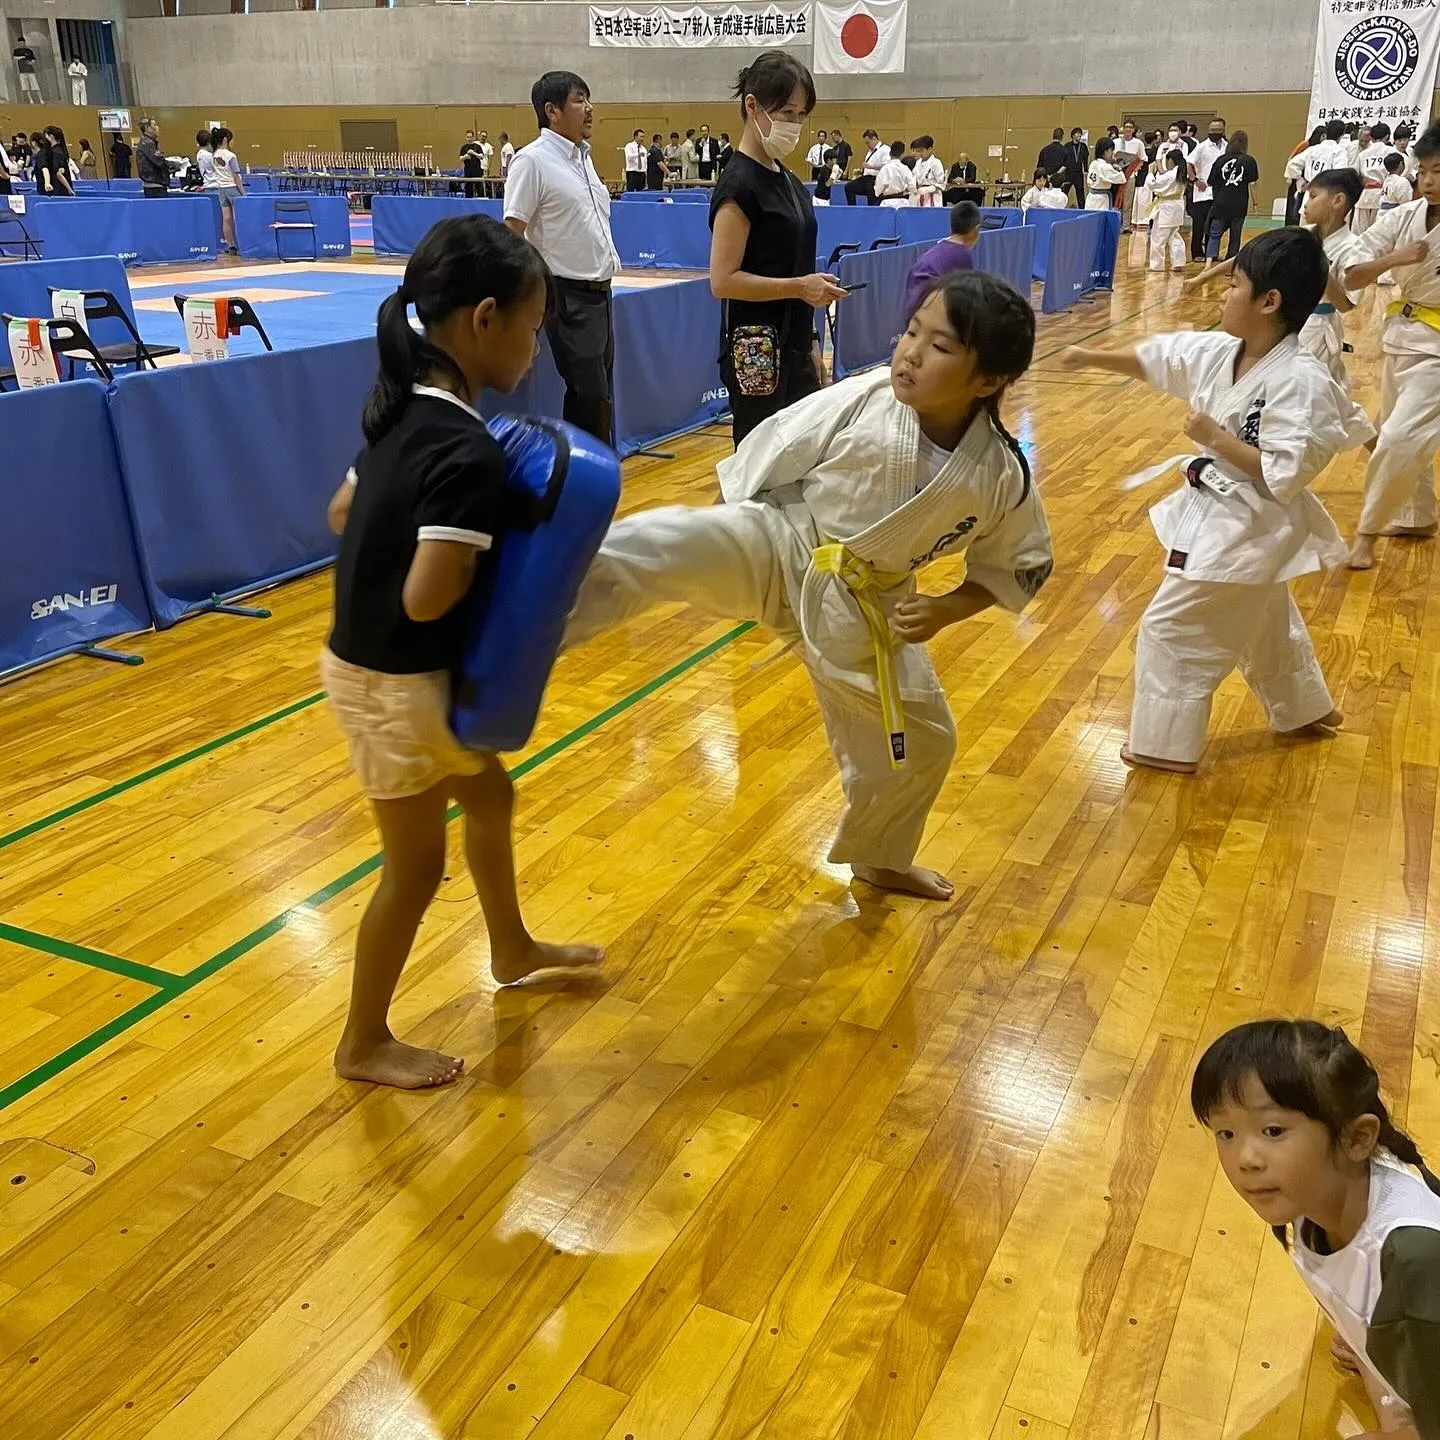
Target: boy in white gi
x=929, y=172
x=895, y=184
x=1400, y=479
x=1042, y=195
x=831, y=506
x=1267, y=418
x=1371, y=165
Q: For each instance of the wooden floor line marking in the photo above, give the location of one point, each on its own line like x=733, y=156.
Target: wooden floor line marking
x=85, y=955
x=178, y=985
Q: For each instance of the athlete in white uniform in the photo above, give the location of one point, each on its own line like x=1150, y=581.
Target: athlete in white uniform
x=1371, y=166
x=1166, y=186
x=1102, y=176
x=1266, y=418
x=929, y=173
x=1400, y=480
x=831, y=507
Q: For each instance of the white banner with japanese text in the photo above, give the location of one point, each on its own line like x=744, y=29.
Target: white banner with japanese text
x=699, y=27
x=1375, y=60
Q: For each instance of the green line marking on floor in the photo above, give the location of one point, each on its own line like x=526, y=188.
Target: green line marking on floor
x=155, y=771
x=85, y=955
x=177, y=985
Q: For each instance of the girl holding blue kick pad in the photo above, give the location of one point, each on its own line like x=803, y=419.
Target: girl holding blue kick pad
x=418, y=517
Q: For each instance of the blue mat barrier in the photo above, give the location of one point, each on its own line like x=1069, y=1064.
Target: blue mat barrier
x=867, y=322
x=1106, y=248
x=140, y=232
x=402, y=220
x=1070, y=266
x=1008, y=253
x=25, y=290
x=257, y=241
x=217, y=517
x=691, y=196
x=661, y=237
x=69, y=576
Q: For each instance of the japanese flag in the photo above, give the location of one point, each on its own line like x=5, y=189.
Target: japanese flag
x=862, y=38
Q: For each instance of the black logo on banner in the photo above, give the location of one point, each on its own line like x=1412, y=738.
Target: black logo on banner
x=1377, y=58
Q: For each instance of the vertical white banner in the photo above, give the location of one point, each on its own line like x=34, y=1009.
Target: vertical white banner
x=1375, y=60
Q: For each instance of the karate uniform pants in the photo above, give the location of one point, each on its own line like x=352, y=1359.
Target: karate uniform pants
x=1163, y=238
x=77, y=92
x=1400, y=479
x=730, y=563
x=1192, y=635
x=1363, y=216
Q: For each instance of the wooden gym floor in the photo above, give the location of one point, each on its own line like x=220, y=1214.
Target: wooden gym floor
x=803, y=1162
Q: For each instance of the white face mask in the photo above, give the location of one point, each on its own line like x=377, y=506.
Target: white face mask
x=784, y=136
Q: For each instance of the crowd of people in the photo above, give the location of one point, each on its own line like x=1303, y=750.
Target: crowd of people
x=44, y=157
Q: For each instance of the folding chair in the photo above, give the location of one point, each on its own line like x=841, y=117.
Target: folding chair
x=992, y=222
x=835, y=255
x=68, y=339
x=883, y=241
x=239, y=315
x=296, y=208
x=102, y=305
x=13, y=231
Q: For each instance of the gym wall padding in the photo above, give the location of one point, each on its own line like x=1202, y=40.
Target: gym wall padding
x=255, y=214
x=228, y=467
x=69, y=574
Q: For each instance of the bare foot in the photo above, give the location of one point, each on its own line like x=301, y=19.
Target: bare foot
x=927, y=884
x=1362, y=553
x=507, y=969
x=1410, y=532
x=1325, y=728
x=391, y=1062
x=1345, y=1357
x=1149, y=762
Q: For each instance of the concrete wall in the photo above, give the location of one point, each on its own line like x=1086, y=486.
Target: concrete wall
x=490, y=53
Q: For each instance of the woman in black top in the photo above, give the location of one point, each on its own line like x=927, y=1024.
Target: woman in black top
x=120, y=153
x=1231, y=179
x=418, y=517
x=52, y=164
x=762, y=250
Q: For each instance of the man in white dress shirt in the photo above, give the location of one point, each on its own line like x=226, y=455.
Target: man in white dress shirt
x=635, y=155
x=555, y=199
x=1205, y=154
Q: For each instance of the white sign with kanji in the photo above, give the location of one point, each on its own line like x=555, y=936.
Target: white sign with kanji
x=68, y=305
x=205, y=329
x=697, y=27
x=1375, y=60
x=31, y=355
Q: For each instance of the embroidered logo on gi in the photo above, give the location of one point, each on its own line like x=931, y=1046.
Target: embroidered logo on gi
x=897, y=746
x=946, y=541
x=1030, y=580
x=1250, y=430
x=1176, y=560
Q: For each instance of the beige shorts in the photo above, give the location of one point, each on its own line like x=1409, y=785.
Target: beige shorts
x=397, y=728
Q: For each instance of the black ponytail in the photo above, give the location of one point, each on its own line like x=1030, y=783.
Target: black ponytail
x=991, y=318
x=1304, y=1066
x=460, y=262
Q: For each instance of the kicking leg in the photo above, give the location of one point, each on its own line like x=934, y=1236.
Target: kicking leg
x=886, y=808
x=1279, y=665
x=488, y=800
x=413, y=832
x=722, y=559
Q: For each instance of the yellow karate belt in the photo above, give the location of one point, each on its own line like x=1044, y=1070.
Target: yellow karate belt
x=1425, y=314
x=865, y=583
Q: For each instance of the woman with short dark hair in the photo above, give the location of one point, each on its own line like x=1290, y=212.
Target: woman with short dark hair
x=762, y=250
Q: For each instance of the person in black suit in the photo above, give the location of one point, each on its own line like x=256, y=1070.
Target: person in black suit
x=1053, y=158
x=1077, y=162
x=960, y=183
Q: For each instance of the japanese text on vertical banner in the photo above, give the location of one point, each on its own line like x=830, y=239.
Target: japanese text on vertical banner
x=1375, y=60
x=697, y=27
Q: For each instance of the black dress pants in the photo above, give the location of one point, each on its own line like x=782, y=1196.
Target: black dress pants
x=582, y=343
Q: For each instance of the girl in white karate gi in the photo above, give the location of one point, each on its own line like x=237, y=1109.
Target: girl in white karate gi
x=1166, y=184
x=1102, y=177
x=831, y=506
x=1267, y=418
x=1400, y=480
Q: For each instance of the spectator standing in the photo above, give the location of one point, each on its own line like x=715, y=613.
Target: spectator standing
x=672, y=153
x=1232, y=180
x=1077, y=164
x=79, y=73
x=817, y=158
x=8, y=169
x=727, y=152
x=1129, y=157
x=89, y=170
x=25, y=68
x=1053, y=158
x=121, y=153
x=559, y=203
x=216, y=180
x=655, y=167
x=1205, y=154
x=635, y=161
x=52, y=163
x=472, y=162
x=707, y=154
x=507, y=154
x=689, y=162
x=843, y=154
x=762, y=250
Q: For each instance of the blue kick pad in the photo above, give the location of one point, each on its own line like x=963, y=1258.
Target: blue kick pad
x=566, y=486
